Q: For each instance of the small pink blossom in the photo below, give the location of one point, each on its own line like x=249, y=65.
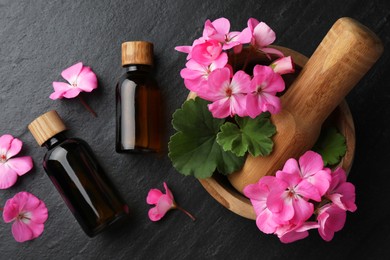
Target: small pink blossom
x=163, y=203
x=10, y=167
x=310, y=168
x=207, y=52
x=219, y=30
x=262, y=92
x=80, y=78
x=289, y=202
x=29, y=215
x=261, y=36
x=196, y=75
x=283, y=65
x=331, y=219
x=341, y=192
x=228, y=95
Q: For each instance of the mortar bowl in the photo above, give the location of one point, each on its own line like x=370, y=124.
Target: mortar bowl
x=219, y=187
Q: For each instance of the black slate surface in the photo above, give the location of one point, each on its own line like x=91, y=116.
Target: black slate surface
x=38, y=39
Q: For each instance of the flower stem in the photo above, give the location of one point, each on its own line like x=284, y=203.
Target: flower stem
x=87, y=106
x=186, y=212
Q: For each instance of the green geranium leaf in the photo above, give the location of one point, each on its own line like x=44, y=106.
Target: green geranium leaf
x=193, y=150
x=252, y=135
x=331, y=145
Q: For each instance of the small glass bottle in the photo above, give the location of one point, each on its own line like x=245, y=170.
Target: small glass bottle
x=138, y=108
x=77, y=175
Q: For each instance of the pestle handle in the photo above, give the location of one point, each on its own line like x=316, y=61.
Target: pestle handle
x=346, y=53
x=343, y=57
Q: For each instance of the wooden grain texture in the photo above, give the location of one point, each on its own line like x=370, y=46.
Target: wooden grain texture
x=344, y=56
x=220, y=189
x=137, y=53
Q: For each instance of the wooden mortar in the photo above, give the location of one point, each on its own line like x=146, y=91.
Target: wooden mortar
x=346, y=53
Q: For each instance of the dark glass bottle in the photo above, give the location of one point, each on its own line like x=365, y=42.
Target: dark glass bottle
x=138, y=105
x=77, y=175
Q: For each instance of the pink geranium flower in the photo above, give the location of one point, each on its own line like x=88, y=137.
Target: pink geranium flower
x=261, y=36
x=341, y=192
x=10, y=167
x=80, y=78
x=262, y=92
x=196, y=75
x=331, y=219
x=219, y=30
x=228, y=95
x=163, y=203
x=29, y=215
x=290, y=201
x=283, y=65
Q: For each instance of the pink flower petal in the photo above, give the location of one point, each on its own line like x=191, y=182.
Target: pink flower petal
x=8, y=176
x=302, y=211
x=71, y=73
x=168, y=191
x=37, y=229
x=40, y=214
x=10, y=211
x=291, y=166
x=263, y=35
x=320, y=181
x=219, y=62
x=218, y=81
x=20, y=165
x=5, y=144
x=60, y=88
x=240, y=82
x=222, y=25
x=281, y=206
x=310, y=163
x=245, y=36
x=338, y=177
x=238, y=105
x=15, y=147
x=71, y=93
x=270, y=103
x=153, y=196
x=256, y=192
x=252, y=23
x=220, y=108
x=87, y=80
x=22, y=231
x=253, y=105
x=265, y=222
x=206, y=53
x=185, y=49
x=308, y=191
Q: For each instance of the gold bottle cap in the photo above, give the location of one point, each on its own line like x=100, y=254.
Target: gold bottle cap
x=137, y=52
x=46, y=126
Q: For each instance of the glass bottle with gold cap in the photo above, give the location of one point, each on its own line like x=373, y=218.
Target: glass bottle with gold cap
x=77, y=175
x=138, y=109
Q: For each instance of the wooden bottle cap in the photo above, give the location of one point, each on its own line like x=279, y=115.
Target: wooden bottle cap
x=46, y=126
x=137, y=52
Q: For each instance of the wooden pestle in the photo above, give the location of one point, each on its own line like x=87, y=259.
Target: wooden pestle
x=346, y=53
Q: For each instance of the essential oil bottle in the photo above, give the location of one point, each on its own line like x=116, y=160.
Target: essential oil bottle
x=77, y=175
x=138, y=109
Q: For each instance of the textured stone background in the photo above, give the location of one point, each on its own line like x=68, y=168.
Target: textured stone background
x=38, y=39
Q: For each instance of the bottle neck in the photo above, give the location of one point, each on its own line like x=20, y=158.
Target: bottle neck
x=55, y=140
x=136, y=67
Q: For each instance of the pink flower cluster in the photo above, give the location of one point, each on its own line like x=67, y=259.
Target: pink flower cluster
x=232, y=93
x=302, y=196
